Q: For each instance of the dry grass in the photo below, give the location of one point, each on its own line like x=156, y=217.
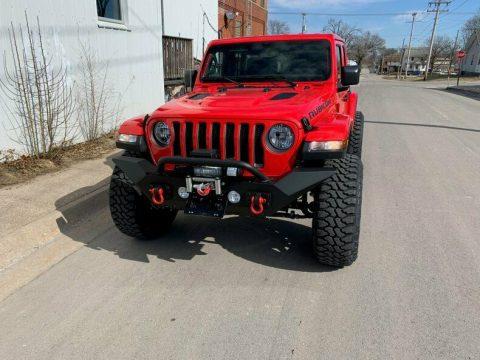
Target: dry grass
x=23, y=168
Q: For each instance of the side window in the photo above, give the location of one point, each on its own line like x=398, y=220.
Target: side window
x=215, y=66
x=110, y=10
x=339, y=61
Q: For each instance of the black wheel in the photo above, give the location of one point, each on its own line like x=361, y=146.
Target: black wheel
x=356, y=136
x=133, y=214
x=336, y=221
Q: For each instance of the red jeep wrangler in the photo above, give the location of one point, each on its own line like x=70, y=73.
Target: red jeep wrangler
x=270, y=128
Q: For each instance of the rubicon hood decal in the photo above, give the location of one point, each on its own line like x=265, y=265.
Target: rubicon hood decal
x=319, y=109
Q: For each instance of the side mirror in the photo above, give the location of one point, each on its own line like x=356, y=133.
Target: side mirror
x=350, y=75
x=189, y=78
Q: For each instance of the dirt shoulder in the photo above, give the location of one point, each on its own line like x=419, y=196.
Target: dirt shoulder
x=26, y=168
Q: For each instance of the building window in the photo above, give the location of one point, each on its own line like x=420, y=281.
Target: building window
x=238, y=28
x=262, y=3
x=110, y=10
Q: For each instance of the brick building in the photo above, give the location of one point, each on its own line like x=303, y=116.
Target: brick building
x=242, y=18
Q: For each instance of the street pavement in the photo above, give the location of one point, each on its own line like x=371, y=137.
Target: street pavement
x=249, y=289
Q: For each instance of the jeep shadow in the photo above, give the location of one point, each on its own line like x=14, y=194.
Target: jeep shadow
x=277, y=243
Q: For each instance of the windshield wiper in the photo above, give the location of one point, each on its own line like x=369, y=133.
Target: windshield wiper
x=225, y=78
x=275, y=78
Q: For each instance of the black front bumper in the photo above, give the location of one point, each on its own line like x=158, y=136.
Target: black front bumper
x=279, y=194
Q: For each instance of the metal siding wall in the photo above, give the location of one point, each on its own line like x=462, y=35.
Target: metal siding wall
x=134, y=57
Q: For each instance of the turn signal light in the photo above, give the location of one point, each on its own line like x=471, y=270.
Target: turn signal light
x=327, y=145
x=125, y=138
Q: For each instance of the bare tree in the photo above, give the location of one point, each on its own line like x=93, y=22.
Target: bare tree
x=442, y=48
x=276, y=27
x=38, y=95
x=471, y=26
x=341, y=28
x=367, y=46
x=96, y=101
x=388, y=51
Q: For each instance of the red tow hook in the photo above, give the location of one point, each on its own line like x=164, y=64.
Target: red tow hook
x=157, y=196
x=204, y=190
x=257, y=209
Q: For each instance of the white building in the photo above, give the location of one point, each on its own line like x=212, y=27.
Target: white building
x=127, y=37
x=417, y=61
x=471, y=62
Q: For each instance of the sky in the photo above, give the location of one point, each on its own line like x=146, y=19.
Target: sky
x=393, y=28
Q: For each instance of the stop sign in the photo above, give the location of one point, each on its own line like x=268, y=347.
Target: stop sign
x=461, y=54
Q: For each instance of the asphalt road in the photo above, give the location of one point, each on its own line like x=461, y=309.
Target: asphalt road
x=248, y=289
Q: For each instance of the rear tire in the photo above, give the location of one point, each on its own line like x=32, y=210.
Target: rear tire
x=133, y=214
x=336, y=220
x=356, y=136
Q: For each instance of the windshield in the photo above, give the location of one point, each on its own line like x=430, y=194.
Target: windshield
x=282, y=60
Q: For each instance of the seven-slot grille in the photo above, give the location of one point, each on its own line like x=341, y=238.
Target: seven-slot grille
x=232, y=141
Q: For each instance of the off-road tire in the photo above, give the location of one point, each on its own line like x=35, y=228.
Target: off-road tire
x=336, y=220
x=356, y=136
x=133, y=214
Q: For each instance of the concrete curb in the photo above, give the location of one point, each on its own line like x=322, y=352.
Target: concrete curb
x=68, y=215
x=47, y=219
x=63, y=232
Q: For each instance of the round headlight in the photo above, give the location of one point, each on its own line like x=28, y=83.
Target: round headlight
x=161, y=133
x=280, y=137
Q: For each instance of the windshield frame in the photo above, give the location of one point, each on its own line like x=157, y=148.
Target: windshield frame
x=260, y=79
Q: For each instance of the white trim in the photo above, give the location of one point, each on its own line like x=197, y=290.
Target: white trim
x=110, y=20
x=111, y=25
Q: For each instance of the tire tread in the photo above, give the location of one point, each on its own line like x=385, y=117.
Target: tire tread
x=132, y=213
x=356, y=136
x=336, y=222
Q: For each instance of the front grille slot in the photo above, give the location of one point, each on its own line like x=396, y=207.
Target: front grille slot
x=230, y=141
x=202, y=136
x=176, y=144
x=216, y=137
x=259, y=151
x=189, y=138
x=244, y=142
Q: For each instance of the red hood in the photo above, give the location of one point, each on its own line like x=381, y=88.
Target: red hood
x=250, y=103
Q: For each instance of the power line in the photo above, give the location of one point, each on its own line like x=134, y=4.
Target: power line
x=453, y=11
x=359, y=14
x=459, y=6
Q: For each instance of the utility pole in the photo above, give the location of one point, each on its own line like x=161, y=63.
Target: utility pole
x=203, y=33
x=437, y=11
x=414, y=15
x=451, y=58
x=401, y=60
x=304, y=23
